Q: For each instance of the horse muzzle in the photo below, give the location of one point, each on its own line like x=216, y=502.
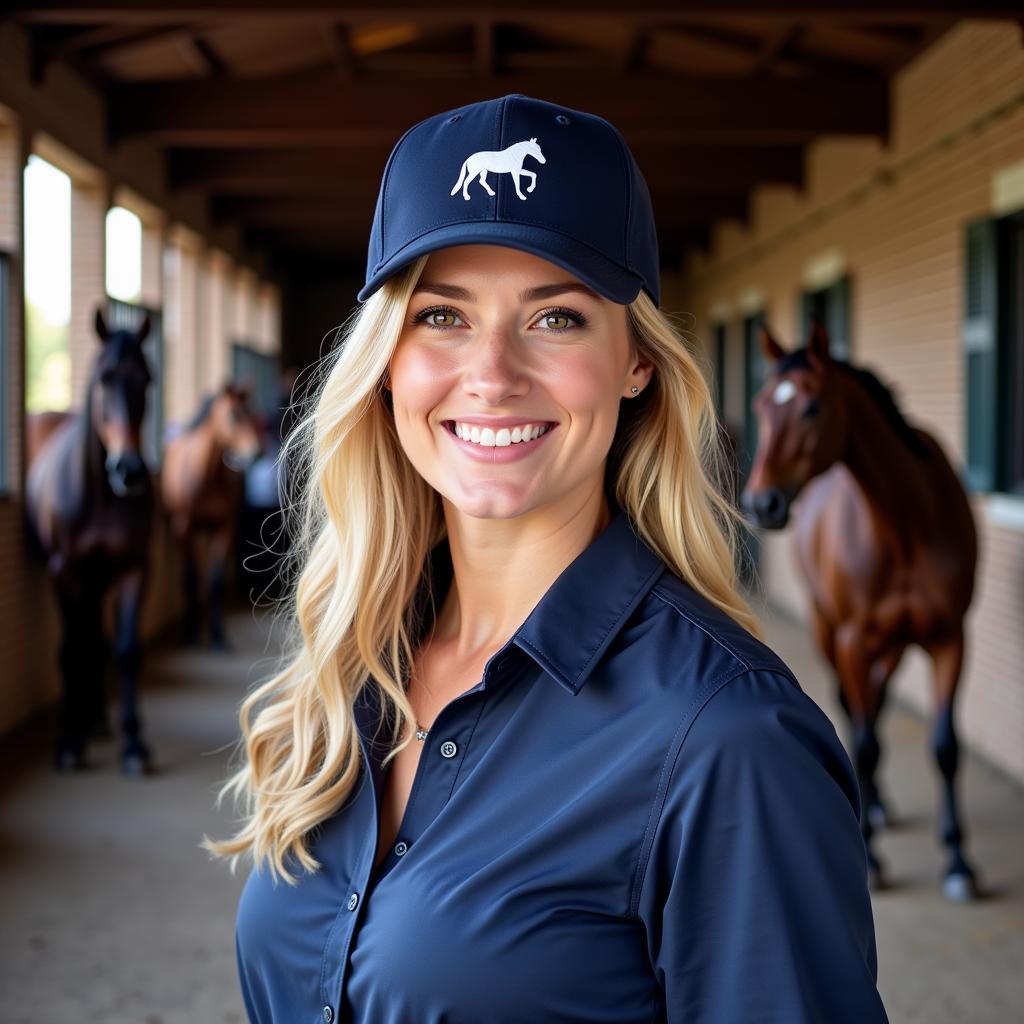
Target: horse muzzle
x=769, y=508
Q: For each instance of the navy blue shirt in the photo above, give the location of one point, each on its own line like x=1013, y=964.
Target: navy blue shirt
x=636, y=815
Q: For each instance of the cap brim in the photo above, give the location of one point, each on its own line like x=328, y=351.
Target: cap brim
x=591, y=267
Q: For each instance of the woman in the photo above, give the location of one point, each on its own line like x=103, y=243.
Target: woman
x=527, y=759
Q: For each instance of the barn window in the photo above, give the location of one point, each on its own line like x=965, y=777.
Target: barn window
x=831, y=306
x=993, y=345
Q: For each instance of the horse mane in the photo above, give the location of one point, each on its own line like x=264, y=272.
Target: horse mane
x=204, y=411
x=880, y=393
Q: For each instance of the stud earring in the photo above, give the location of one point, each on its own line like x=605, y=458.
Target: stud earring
x=634, y=389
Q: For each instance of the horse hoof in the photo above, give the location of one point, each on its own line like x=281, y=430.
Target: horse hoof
x=67, y=761
x=959, y=888
x=878, y=817
x=136, y=761
x=134, y=765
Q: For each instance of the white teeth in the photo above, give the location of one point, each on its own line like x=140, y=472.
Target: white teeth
x=501, y=438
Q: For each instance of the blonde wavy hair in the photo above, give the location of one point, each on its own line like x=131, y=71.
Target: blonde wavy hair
x=360, y=529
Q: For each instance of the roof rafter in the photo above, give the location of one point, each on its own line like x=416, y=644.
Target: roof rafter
x=318, y=109
x=876, y=11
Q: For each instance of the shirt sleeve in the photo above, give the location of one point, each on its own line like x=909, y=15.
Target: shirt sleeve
x=755, y=897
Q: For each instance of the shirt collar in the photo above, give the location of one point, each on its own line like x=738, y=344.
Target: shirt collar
x=581, y=613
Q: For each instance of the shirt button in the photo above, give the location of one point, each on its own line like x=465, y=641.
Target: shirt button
x=353, y=902
x=328, y=1015
x=400, y=849
x=448, y=749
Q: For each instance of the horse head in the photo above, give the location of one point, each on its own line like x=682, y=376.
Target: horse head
x=533, y=149
x=235, y=427
x=802, y=426
x=117, y=404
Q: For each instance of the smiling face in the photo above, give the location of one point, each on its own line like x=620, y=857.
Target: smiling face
x=497, y=340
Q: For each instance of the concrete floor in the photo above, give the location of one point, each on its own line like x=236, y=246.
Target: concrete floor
x=112, y=913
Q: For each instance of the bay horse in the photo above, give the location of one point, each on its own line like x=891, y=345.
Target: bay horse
x=202, y=482
x=887, y=545
x=89, y=504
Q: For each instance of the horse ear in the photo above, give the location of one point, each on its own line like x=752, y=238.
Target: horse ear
x=817, y=343
x=101, y=325
x=769, y=346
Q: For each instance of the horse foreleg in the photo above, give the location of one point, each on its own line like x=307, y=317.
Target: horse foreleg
x=73, y=707
x=947, y=659
x=880, y=673
x=135, y=755
x=95, y=650
x=217, y=559
x=483, y=181
x=533, y=183
x=853, y=663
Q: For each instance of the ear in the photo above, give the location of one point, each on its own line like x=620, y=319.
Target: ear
x=101, y=325
x=640, y=374
x=817, y=344
x=769, y=346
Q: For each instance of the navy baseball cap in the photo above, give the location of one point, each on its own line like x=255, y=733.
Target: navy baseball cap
x=522, y=172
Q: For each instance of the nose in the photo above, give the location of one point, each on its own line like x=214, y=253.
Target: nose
x=769, y=507
x=493, y=371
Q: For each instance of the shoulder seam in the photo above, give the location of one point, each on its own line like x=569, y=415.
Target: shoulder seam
x=700, y=624
x=668, y=766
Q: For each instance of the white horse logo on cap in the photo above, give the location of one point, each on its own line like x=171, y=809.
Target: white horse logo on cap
x=509, y=159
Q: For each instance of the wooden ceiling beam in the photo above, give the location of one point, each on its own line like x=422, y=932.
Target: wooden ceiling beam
x=339, y=48
x=774, y=46
x=337, y=171
x=350, y=218
x=204, y=58
x=319, y=109
x=484, y=49
x=144, y=11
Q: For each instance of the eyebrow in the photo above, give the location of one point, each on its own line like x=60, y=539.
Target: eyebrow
x=544, y=291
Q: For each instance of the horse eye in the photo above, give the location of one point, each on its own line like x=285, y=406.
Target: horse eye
x=811, y=410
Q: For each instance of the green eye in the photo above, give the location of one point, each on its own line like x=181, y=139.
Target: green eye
x=556, y=316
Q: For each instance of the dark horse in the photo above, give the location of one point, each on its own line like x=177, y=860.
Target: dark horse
x=886, y=542
x=202, y=483
x=89, y=499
